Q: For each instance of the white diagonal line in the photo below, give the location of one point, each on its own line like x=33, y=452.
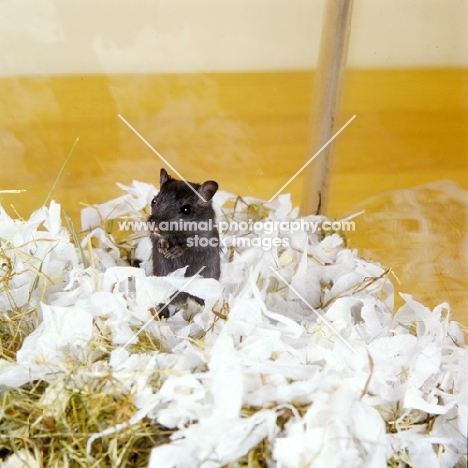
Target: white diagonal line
x=160, y=310
x=160, y=156
x=329, y=325
x=312, y=158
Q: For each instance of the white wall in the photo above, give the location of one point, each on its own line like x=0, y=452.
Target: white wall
x=95, y=36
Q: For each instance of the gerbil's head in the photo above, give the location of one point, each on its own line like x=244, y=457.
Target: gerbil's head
x=181, y=201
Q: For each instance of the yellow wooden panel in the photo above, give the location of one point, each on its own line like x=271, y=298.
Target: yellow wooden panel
x=247, y=131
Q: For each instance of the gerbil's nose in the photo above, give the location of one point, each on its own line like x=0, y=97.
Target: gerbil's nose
x=156, y=229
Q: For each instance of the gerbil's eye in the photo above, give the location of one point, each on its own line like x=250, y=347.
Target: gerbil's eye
x=185, y=209
x=153, y=201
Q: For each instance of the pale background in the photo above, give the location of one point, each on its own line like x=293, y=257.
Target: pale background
x=147, y=36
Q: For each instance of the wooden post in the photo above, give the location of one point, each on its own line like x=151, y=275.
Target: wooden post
x=336, y=25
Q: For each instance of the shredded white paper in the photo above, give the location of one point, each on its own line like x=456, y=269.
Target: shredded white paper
x=296, y=348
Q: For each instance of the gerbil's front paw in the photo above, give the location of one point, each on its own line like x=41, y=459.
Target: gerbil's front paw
x=163, y=245
x=162, y=311
x=175, y=251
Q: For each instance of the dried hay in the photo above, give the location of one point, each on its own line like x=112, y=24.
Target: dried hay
x=259, y=377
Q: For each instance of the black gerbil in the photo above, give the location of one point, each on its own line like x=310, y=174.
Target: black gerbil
x=183, y=230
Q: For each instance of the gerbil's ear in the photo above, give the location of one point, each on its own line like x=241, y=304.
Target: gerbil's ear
x=208, y=189
x=163, y=177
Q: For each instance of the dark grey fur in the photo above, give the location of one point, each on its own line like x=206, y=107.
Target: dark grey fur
x=174, y=202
